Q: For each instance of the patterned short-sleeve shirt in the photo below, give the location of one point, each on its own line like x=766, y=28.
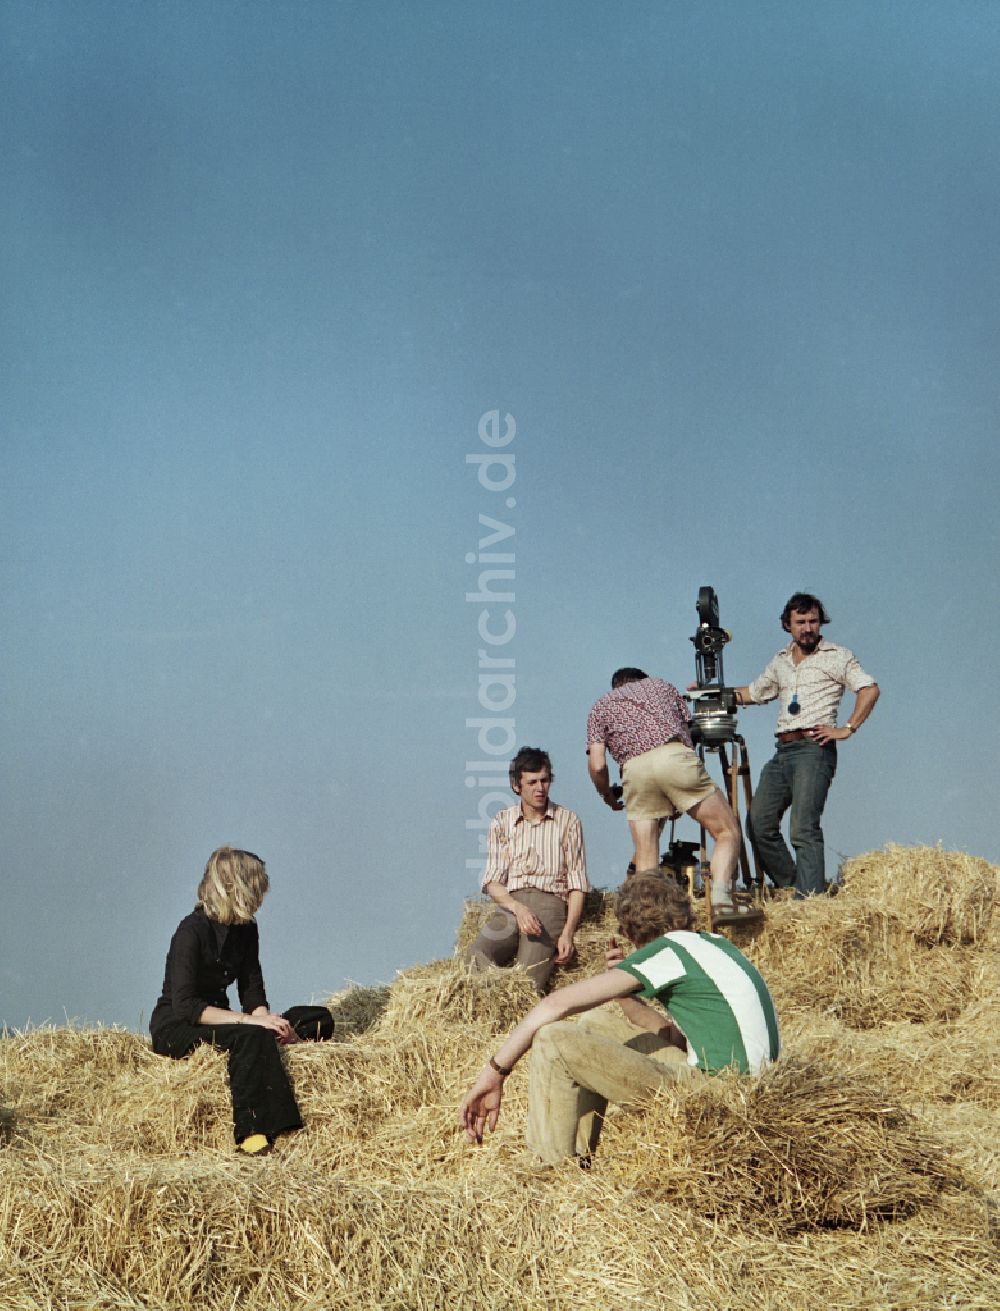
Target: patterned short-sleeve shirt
x=816, y=684
x=637, y=717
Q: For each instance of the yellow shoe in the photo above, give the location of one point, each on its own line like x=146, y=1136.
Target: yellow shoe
x=256, y=1145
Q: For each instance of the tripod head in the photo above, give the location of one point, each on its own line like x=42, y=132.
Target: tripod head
x=714, y=704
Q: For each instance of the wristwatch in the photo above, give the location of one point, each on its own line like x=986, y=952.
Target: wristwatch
x=850, y=727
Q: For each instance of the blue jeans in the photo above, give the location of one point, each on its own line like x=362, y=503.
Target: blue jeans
x=798, y=775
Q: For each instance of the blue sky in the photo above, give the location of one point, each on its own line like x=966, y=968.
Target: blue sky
x=732, y=269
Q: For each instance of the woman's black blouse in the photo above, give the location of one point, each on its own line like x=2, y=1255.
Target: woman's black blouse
x=203, y=960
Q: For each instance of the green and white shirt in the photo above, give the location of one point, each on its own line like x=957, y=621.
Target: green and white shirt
x=715, y=997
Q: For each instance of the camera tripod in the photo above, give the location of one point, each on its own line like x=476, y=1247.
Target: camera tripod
x=714, y=729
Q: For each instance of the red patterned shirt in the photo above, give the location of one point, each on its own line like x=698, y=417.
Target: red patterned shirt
x=637, y=717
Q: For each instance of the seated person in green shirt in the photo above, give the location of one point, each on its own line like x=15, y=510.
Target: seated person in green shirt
x=719, y=1014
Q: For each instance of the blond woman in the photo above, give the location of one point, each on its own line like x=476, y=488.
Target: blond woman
x=212, y=948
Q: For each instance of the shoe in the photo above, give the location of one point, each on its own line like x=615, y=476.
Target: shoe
x=257, y=1144
x=735, y=911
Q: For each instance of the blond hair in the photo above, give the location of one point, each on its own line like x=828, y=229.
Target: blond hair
x=233, y=886
x=650, y=905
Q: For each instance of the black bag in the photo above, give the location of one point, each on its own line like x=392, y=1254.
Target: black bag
x=314, y=1023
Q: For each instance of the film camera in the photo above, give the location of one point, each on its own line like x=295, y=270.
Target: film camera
x=713, y=704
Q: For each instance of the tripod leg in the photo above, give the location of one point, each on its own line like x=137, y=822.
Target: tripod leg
x=706, y=876
x=734, y=769
x=756, y=879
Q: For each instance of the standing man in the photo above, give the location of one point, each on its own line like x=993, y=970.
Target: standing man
x=536, y=872
x=809, y=677
x=643, y=722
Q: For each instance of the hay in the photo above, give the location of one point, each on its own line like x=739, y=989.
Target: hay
x=844, y=957
x=804, y=1147
x=938, y=896
x=859, y=1171
x=356, y=1009
x=486, y=1004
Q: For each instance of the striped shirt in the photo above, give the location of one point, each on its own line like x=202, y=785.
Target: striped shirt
x=715, y=997
x=816, y=684
x=638, y=717
x=547, y=855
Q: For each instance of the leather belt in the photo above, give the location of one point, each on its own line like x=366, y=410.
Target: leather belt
x=795, y=735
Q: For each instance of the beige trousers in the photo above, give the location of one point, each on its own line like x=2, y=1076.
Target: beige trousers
x=500, y=941
x=577, y=1067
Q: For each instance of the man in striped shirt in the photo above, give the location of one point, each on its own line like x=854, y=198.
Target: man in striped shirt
x=536, y=872
x=719, y=1015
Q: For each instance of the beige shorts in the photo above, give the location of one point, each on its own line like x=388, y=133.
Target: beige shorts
x=664, y=782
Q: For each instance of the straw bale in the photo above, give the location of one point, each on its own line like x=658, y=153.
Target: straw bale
x=67, y=1063
x=448, y=992
x=356, y=1009
x=939, y=896
x=843, y=957
x=968, y=1132
x=945, y=1259
x=339, y=1243
x=937, y=1064
x=803, y=1147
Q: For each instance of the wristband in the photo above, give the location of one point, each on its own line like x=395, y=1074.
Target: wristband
x=499, y=1068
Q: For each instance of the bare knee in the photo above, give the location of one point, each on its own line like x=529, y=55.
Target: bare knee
x=715, y=814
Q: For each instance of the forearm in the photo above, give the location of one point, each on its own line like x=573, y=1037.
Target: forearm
x=481, y=1106
x=641, y=1015
x=498, y=892
x=864, y=701
x=600, y=776
x=647, y=1017
x=213, y=1015
x=583, y=995
x=522, y=1035
x=574, y=910
x=864, y=704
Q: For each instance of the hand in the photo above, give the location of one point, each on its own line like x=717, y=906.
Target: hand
x=280, y=1027
x=613, y=797
x=824, y=733
x=481, y=1107
x=564, y=948
x=529, y=924
x=670, y=1033
x=614, y=953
